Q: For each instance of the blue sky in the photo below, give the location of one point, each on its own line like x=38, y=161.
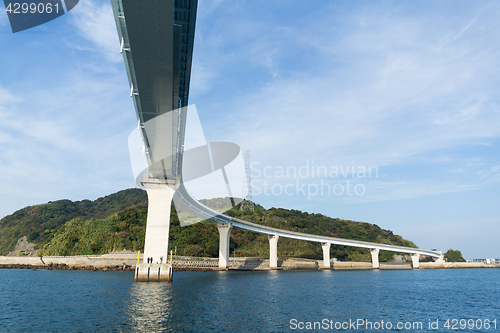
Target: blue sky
x=409, y=89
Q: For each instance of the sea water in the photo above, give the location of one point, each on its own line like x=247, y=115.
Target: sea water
x=252, y=301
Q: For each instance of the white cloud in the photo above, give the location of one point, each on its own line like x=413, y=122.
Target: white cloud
x=6, y=98
x=95, y=23
x=4, y=19
x=201, y=77
x=6, y=101
x=490, y=174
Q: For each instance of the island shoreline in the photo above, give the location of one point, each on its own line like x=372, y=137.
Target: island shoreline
x=127, y=262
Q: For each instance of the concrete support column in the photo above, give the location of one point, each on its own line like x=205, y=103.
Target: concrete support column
x=439, y=260
x=375, y=263
x=415, y=258
x=326, y=254
x=273, y=251
x=224, y=234
x=160, y=194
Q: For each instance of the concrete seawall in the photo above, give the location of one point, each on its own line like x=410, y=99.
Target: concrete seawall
x=82, y=262
x=113, y=261
x=433, y=265
x=128, y=262
x=349, y=265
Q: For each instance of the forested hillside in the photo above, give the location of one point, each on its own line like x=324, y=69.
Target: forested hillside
x=40, y=222
x=118, y=221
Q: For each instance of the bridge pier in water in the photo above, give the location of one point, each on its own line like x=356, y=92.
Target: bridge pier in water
x=153, y=272
x=160, y=193
x=273, y=250
x=415, y=258
x=374, y=253
x=224, y=234
x=326, y=254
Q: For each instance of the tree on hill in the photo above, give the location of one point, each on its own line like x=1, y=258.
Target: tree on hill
x=124, y=230
x=453, y=256
x=39, y=223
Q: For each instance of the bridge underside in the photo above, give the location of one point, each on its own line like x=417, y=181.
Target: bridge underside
x=156, y=40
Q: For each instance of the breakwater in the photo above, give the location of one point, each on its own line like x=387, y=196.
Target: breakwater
x=128, y=262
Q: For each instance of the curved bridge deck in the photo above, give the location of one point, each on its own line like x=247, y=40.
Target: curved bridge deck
x=274, y=233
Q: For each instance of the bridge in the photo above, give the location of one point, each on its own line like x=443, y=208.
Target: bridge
x=156, y=39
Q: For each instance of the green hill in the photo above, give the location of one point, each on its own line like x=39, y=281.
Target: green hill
x=118, y=222
x=39, y=222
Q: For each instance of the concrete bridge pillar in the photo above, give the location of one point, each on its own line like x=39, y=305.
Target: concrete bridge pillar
x=160, y=193
x=439, y=260
x=273, y=251
x=415, y=258
x=374, y=253
x=224, y=234
x=326, y=254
